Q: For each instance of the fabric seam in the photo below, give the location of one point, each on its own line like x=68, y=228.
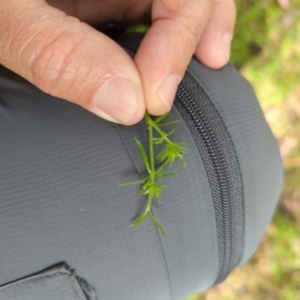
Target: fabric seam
x=160, y=238
x=72, y=276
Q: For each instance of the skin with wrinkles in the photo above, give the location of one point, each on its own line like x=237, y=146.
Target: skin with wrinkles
x=54, y=46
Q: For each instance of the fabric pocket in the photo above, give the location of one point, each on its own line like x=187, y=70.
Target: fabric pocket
x=56, y=283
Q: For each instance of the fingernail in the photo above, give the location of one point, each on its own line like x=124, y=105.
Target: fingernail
x=226, y=42
x=117, y=100
x=167, y=90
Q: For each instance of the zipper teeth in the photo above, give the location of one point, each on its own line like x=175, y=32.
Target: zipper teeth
x=219, y=164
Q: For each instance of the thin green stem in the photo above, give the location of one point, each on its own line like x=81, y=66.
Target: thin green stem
x=163, y=135
x=151, y=150
x=151, y=158
x=149, y=203
x=163, y=165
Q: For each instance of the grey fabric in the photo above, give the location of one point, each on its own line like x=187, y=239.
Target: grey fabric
x=61, y=168
x=256, y=147
x=60, y=199
x=54, y=284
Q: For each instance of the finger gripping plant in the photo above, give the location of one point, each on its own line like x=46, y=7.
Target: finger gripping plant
x=171, y=151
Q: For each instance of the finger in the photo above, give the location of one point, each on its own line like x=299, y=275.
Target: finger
x=70, y=60
x=213, y=49
x=168, y=47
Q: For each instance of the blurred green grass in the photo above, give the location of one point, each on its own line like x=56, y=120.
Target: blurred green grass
x=266, y=50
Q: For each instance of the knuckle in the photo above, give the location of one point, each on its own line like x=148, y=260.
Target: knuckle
x=193, y=18
x=189, y=33
x=54, y=64
x=13, y=36
x=189, y=36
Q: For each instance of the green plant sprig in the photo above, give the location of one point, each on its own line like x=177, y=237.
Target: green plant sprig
x=172, y=151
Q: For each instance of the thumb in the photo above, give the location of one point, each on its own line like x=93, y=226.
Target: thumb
x=70, y=60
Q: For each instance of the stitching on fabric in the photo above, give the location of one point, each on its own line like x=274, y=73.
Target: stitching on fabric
x=127, y=149
x=160, y=238
x=166, y=262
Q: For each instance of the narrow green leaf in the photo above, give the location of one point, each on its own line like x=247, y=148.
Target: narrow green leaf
x=169, y=123
x=157, y=191
x=162, y=175
x=158, y=225
x=157, y=120
x=140, y=219
x=182, y=161
x=133, y=182
x=181, y=147
x=158, y=140
x=163, y=154
x=168, y=134
x=144, y=191
x=143, y=155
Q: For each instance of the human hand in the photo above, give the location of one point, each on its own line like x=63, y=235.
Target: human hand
x=48, y=45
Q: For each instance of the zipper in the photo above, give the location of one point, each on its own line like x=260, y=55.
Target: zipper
x=213, y=142
x=221, y=164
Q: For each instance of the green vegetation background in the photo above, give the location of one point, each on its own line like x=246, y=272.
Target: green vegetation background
x=266, y=50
